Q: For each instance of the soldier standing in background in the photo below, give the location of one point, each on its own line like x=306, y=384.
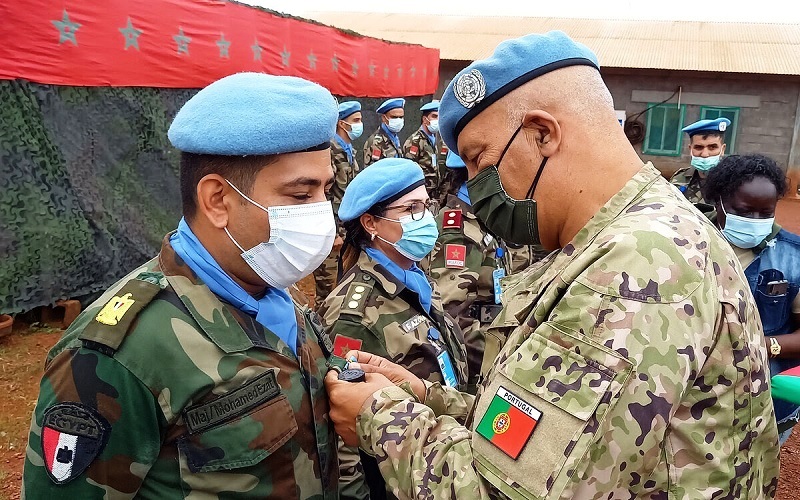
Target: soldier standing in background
x=706, y=145
x=345, y=167
x=421, y=147
x=198, y=373
x=384, y=142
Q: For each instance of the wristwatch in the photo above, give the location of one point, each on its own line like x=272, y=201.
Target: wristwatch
x=774, y=347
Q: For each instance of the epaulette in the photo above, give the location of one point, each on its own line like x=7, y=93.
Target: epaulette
x=109, y=327
x=453, y=219
x=355, y=300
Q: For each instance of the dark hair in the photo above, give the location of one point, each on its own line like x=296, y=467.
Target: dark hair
x=736, y=170
x=356, y=238
x=456, y=177
x=706, y=135
x=240, y=170
x=426, y=113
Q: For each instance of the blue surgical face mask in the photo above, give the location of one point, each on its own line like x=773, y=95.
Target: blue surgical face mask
x=356, y=129
x=419, y=236
x=745, y=232
x=705, y=164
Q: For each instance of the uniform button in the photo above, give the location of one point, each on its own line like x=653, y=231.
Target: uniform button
x=360, y=289
x=352, y=304
x=356, y=296
x=367, y=277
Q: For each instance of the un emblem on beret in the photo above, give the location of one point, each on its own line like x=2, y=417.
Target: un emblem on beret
x=722, y=126
x=470, y=88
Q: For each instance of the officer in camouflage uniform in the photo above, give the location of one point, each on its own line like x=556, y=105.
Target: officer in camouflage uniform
x=384, y=142
x=706, y=145
x=634, y=365
x=464, y=264
x=422, y=148
x=384, y=303
x=198, y=375
x=345, y=167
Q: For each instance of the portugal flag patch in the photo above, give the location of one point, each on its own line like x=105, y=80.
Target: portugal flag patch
x=73, y=435
x=508, y=422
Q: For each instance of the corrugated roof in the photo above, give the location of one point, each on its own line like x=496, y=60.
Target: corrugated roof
x=673, y=45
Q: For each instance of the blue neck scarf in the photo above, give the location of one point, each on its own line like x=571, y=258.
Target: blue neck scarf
x=275, y=310
x=463, y=194
x=348, y=148
x=392, y=135
x=414, y=279
x=431, y=137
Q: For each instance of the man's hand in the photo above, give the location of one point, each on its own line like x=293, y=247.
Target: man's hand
x=371, y=363
x=346, y=400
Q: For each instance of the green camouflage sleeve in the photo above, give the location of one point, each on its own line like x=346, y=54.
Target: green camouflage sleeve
x=95, y=432
x=445, y=400
x=419, y=454
x=352, y=485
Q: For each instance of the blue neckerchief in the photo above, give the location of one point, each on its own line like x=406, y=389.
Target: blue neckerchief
x=431, y=137
x=414, y=279
x=463, y=194
x=392, y=135
x=348, y=148
x=275, y=310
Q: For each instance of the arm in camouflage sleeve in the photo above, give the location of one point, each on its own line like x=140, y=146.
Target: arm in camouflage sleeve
x=449, y=401
x=419, y=454
x=352, y=485
x=129, y=412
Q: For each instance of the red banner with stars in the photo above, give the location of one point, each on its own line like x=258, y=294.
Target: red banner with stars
x=191, y=43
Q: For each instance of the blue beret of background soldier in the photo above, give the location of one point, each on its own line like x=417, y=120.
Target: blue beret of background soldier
x=384, y=142
x=706, y=146
x=384, y=304
x=634, y=362
x=198, y=373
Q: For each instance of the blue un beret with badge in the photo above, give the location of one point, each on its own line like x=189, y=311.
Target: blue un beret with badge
x=431, y=106
x=386, y=179
x=347, y=108
x=453, y=160
x=706, y=126
x=390, y=104
x=255, y=114
x=513, y=63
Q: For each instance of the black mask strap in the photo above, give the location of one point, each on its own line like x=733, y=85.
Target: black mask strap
x=508, y=145
x=536, y=179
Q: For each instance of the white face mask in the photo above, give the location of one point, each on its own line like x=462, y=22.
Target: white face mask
x=395, y=124
x=300, y=238
x=356, y=129
x=433, y=126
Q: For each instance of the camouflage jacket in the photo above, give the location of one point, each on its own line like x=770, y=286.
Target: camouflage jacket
x=419, y=149
x=461, y=264
x=343, y=172
x=378, y=146
x=634, y=368
x=524, y=256
x=174, y=394
x=689, y=182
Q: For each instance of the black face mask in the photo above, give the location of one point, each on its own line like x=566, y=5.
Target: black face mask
x=511, y=220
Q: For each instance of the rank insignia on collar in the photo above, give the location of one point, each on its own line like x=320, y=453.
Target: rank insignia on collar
x=452, y=219
x=73, y=435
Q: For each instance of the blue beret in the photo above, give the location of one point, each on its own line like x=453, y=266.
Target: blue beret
x=718, y=125
x=453, y=160
x=513, y=63
x=255, y=114
x=431, y=106
x=390, y=104
x=347, y=108
x=386, y=179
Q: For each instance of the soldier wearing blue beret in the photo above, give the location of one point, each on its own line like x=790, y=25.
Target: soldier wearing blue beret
x=345, y=167
x=424, y=148
x=200, y=373
x=706, y=145
x=384, y=304
x=384, y=142
x=631, y=362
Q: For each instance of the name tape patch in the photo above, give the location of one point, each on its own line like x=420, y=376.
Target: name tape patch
x=229, y=406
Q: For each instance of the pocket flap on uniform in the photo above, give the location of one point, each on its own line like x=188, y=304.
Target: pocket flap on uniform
x=565, y=370
x=242, y=442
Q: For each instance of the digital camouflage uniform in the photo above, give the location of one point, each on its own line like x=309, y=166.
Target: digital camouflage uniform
x=194, y=397
x=343, y=172
x=640, y=346
x=418, y=148
x=370, y=310
x=461, y=264
x=379, y=145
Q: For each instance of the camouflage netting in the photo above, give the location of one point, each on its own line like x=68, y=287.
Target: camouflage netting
x=89, y=185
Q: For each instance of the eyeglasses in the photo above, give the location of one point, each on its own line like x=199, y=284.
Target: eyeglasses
x=417, y=208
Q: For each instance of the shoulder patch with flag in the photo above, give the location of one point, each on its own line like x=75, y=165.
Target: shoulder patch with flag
x=376, y=153
x=414, y=149
x=343, y=344
x=455, y=256
x=73, y=435
x=508, y=422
